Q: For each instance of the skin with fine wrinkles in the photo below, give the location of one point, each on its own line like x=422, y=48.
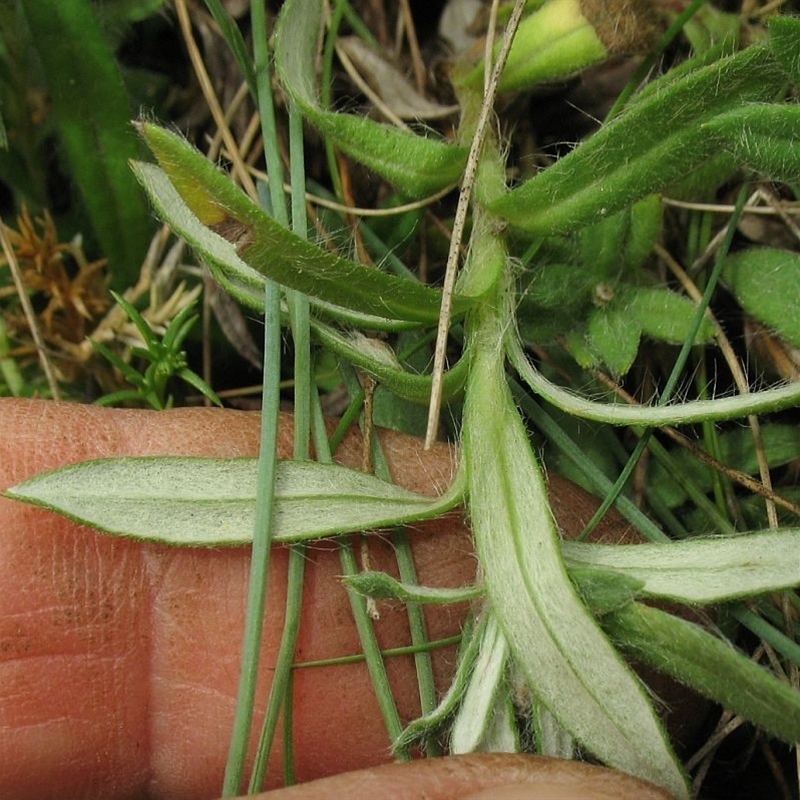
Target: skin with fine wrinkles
x=479, y=776
x=119, y=660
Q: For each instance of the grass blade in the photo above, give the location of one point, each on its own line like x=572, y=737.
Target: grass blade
x=93, y=113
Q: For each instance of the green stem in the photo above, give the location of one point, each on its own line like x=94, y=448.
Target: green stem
x=389, y=652
x=280, y=695
x=771, y=635
x=280, y=698
x=259, y=559
x=372, y=650
x=416, y=615
x=266, y=112
x=366, y=631
x=260, y=555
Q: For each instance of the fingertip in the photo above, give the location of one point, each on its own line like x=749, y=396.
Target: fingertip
x=541, y=790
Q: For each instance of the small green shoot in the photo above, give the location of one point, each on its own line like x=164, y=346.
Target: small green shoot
x=167, y=360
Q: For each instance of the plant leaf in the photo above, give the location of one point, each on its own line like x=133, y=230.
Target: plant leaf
x=762, y=136
x=784, y=33
x=92, y=109
x=240, y=240
x=709, y=665
x=614, y=337
x=405, y=384
x=415, y=164
x=383, y=586
x=656, y=141
x=556, y=643
x=474, y=717
x=700, y=570
x=766, y=281
x=666, y=315
x=210, y=502
x=551, y=44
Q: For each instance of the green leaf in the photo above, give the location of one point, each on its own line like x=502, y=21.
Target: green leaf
x=405, y=384
x=700, y=570
x=92, y=111
x=723, y=407
x=555, y=641
x=208, y=502
x=666, y=315
x=762, y=136
x=766, y=281
x=473, y=719
x=553, y=43
x=416, y=165
x=603, y=590
x=613, y=336
x=235, y=41
x=236, y=237
x=656, y=141
x=621, y=242
x=385, y=587
x=646, y=223
x=734, y=447
x=784, y=34
x=709, y=665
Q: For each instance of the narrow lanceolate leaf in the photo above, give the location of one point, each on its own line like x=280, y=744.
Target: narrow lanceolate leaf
x=656, y=142
x=556, y=643
x=417, y=165
x=762, y=136
x=207, y=502
x=784, y=32
x=246, y=285
x=405, y=384
x=380, y=585
x=709, y=665
x=707, y=570
x=483, y=693
x=92, y=112
x=245, y=244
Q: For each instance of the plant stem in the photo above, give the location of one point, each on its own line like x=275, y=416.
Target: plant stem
x=259, y=560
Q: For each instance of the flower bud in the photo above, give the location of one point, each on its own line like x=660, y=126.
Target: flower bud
x=563, y=37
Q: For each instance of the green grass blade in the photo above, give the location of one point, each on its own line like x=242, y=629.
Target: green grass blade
x=93, y=113
x=235, y=41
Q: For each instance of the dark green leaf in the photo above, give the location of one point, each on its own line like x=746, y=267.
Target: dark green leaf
x=763, y=137
x=666, y=315
x=711, y=666
x=784, y=35
x=92, y=110
x=417, y=165
x=245, y=242
x=766, y=281
x=652, y=144
x=613, y=336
